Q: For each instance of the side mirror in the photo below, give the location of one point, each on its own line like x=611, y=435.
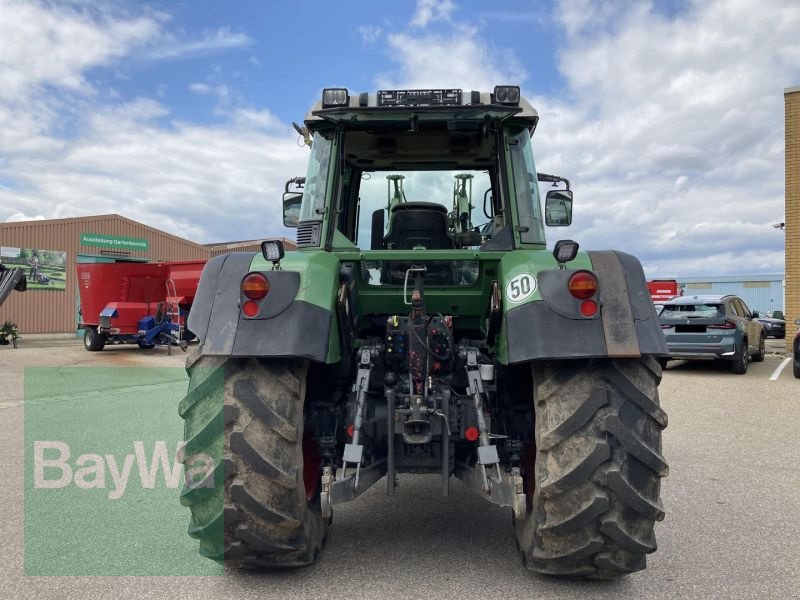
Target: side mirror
x=291, y=208
x=756, y=314
x=558, y=208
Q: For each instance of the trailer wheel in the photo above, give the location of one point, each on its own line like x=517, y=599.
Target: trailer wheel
x=93, y=341
x=260, y=512
x=597, y=469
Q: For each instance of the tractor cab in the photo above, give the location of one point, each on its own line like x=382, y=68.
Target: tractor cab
x=402, y=170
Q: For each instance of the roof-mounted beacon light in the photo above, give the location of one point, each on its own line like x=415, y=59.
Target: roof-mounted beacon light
x=507, y=94
x=565, y=251
x=332, y=97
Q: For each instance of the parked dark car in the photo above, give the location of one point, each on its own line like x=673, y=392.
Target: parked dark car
x=773, y=327
x=713, y=327
x=796, y=352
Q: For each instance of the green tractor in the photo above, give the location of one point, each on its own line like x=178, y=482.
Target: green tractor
x=425, y=331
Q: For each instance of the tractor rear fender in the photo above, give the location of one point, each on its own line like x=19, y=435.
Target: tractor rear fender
x=295, y=319
x=549, y=325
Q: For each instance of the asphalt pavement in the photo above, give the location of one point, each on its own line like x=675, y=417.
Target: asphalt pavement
x=732, y=500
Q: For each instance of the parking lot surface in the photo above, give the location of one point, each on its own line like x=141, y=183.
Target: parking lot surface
x=732, y=500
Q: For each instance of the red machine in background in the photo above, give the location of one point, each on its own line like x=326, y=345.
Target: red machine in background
x=662, y=290
x=142, y=303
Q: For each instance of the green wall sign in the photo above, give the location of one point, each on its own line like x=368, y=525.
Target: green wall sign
x=113, y=241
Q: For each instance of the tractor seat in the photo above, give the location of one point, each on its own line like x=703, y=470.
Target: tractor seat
x=415, y=224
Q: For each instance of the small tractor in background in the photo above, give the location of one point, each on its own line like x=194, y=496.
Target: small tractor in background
x=420, y=333
x=137, y=303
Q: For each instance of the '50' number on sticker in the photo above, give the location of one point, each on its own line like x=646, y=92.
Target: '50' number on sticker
x=520, y=287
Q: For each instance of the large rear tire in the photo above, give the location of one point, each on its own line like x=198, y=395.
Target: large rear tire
x=247, y=414
x=598, y=468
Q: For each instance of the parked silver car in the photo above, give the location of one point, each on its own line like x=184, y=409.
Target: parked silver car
x=713, y=327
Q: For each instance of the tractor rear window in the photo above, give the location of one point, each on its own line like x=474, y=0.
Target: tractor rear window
x=434, y=210
x=460, y=273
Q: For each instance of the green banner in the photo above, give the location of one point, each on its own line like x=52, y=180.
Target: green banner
x=114, y=241
x=106, y=474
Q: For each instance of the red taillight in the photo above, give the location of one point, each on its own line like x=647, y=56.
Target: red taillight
x=663, y=326
x=582, y=285
x=250, y=308
x=588, y=308
x=725, y=325
x=255, y=286
x=350, y=430
x=472, y=434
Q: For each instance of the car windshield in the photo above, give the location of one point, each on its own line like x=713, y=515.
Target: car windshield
x=690, y=311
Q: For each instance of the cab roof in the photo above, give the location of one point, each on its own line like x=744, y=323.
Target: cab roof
x=367, y=108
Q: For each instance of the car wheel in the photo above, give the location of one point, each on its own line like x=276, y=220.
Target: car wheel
x=796, y=368
x=762, y=351
x=740, y=359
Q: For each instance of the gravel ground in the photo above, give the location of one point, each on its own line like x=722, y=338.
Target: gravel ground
x=731, y=530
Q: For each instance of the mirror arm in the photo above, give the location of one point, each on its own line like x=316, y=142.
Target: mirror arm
x=552, y=178
x=298, y=181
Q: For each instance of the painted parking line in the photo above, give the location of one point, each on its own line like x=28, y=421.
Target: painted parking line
x=780, y=368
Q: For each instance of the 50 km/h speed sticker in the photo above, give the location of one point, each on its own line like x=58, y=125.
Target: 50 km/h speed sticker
x=520, y=287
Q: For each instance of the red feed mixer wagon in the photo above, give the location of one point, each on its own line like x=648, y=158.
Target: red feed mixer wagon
x=139, y=303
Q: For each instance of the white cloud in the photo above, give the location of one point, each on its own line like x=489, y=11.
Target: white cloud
x=432, y=10
x=674, y=139
x=203, y=182
x=57, y=45
x=200, y=88
x=133, y=157
x=369, y=33
x=221, y=39
x=458, y=60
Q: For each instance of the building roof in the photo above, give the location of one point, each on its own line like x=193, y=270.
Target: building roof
x=95, y=218
x=731, y=278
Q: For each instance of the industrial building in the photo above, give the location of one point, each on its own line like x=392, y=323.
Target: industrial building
x=760, y=292
x=48, y=250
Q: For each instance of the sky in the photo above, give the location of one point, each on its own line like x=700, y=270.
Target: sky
x=666, y=116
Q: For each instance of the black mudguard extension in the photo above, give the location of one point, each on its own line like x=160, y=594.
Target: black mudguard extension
x=299, y=330
x=627, y=325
